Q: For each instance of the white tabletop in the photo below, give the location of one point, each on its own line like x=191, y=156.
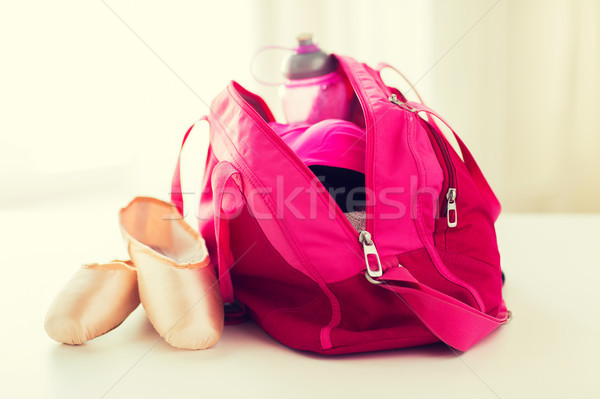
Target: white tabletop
x=549, y=349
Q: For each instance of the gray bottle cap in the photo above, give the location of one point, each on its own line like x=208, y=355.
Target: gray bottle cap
x=314, y=62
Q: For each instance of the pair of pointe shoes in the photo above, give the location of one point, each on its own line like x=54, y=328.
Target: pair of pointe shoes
x=169, y=273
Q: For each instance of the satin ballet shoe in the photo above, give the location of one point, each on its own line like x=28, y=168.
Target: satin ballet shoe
x=177, y=283
x=96, y=299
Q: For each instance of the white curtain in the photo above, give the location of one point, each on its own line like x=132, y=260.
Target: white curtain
x=519, y=80
x=523, y=87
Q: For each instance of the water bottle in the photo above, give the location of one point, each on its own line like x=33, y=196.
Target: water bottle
x=315, y=89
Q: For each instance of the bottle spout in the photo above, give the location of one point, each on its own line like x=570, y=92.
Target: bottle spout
x=305, y=39
x=306, y=44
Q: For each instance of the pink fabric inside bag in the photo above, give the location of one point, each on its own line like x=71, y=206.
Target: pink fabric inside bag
x=331, y=142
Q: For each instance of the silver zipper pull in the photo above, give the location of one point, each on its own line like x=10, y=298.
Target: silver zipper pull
x=395, y=100
x=451, y=212
x=369, y=248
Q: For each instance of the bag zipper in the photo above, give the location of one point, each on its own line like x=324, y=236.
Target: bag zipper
x=369, y=248
x=451, y=208
x=448, y=208
x=364, y=237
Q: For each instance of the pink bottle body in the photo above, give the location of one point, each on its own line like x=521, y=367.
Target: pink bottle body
x=315, y=88
x=315, y=99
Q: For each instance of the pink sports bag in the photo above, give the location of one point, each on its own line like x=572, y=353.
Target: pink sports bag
x=426, y=267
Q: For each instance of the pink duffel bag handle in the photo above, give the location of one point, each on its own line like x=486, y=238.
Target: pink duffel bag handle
x=481, y=182
x=382, y=65
x=228, y=200
x=176, y=194
x=225, y=179
x=222, y=180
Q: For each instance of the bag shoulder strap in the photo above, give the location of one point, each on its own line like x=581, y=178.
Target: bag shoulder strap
x=449, y=319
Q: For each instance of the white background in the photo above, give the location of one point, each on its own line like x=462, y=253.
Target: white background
x=94, y=101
